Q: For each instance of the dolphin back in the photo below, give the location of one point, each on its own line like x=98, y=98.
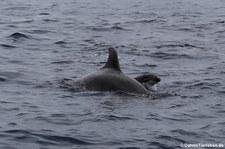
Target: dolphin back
x=109, y=80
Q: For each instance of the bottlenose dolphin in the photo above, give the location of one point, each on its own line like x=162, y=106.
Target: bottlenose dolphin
x=111, y=78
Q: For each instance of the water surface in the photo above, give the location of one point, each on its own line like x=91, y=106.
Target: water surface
x=43, y=42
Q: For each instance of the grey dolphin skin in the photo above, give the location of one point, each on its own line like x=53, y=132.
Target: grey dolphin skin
x=111, y=78
x=148, y=80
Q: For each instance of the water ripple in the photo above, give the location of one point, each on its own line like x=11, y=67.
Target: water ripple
x=158, y=145
x=176, y=45
x=2, y=79
x=113, y=28
x=129, y=148
x=18, y=35
x=7, y=46
x=42, y=43
x=44, y=139
x=164, y=55
x=112, y=117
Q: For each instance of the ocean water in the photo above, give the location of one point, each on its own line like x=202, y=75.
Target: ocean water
x=43, y=42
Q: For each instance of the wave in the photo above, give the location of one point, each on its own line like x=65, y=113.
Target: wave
x=113, y=28
x=18, y=35
x=164, y=55
x=7, y=46
x=29, y=136
x=176, y=45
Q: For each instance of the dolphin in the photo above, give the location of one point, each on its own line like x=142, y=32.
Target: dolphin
x=111, y=78
x=148, y=80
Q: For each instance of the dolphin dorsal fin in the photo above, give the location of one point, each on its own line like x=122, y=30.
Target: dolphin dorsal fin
x=112, y=61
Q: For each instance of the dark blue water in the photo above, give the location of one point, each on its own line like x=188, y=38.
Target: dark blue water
x=43, y=42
